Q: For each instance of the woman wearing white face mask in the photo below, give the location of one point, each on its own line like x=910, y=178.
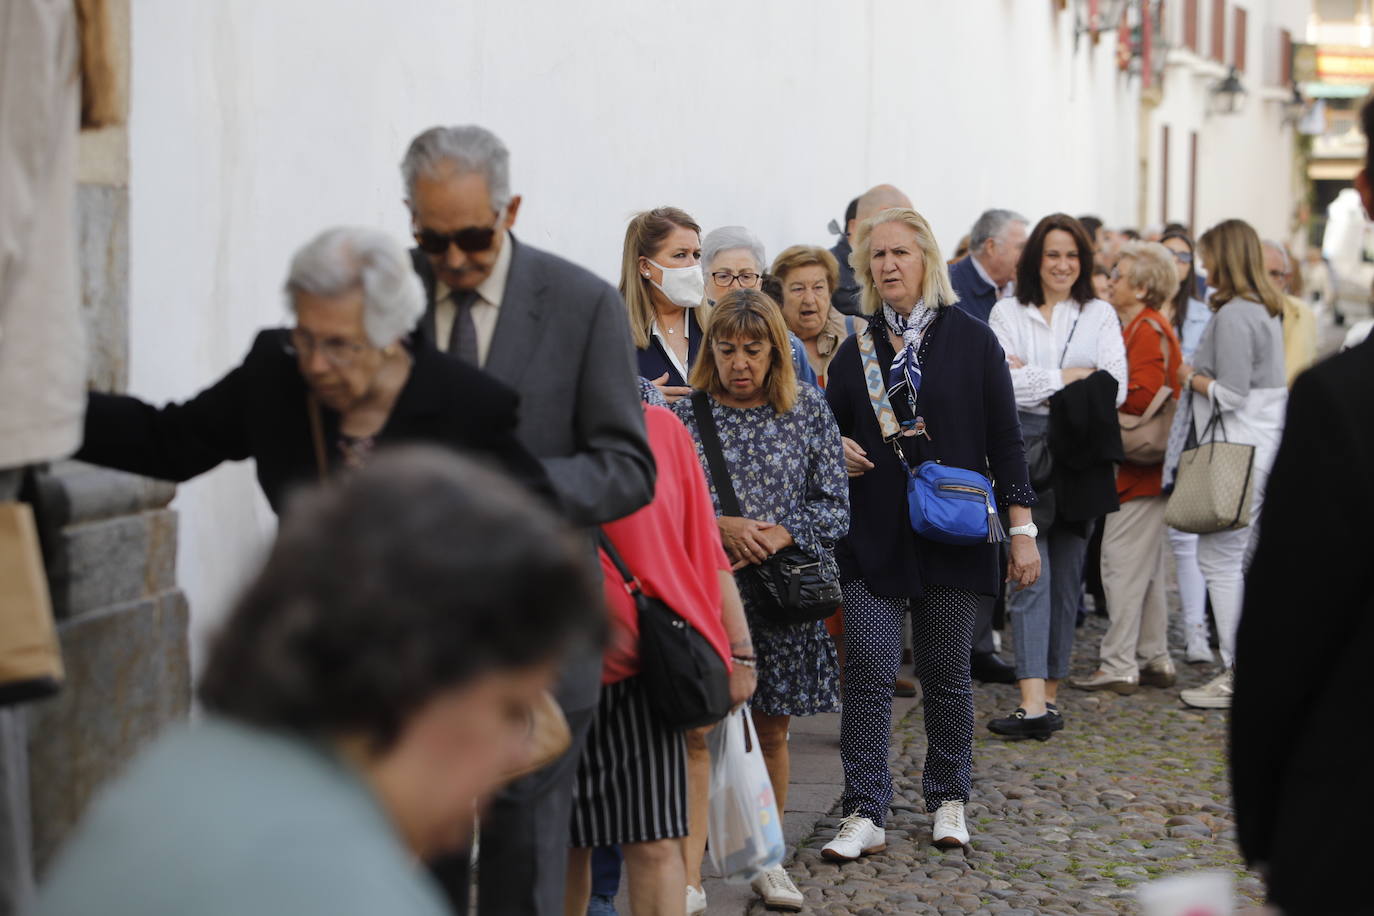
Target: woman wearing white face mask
x=661, y=282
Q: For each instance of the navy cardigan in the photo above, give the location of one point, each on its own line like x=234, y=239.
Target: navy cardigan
x=970, y=412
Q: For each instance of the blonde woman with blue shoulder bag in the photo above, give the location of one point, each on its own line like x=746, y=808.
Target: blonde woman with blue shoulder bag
x=933, y=450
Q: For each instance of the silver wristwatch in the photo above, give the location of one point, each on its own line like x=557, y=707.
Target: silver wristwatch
x=1029, y=530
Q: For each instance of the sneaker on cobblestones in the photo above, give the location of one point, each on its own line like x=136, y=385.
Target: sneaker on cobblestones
x=950, y=830
x=1101, y=680
x=858, y=836
x=1159, y=674
x=696, y=901
x=777, y=890
x=1215, y=694
x=1019, y=725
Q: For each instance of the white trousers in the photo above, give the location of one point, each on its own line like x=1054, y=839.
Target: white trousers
x=1192, y=587
x=1223, y=558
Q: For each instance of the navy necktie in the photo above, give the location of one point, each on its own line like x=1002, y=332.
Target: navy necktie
x=462, y=338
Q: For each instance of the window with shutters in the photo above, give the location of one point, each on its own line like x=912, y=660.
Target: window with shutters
x=1238, y=57
x=1219, y=30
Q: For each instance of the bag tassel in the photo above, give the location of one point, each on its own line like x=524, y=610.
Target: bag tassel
x=996, y=534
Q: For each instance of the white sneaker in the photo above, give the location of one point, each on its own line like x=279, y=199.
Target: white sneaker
x=1198, y=651
x=1215, y=694
x=696, y=901
x=950, y=830
x=777, y=890
x=858, y=836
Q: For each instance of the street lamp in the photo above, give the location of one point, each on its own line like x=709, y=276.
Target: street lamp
x=1228, y=95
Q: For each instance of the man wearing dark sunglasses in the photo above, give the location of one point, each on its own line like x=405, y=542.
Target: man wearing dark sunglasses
x=559, y=336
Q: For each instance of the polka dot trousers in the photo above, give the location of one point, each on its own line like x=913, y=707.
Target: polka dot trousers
x=942, y=632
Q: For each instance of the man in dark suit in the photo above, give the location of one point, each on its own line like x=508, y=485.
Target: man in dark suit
x=1304, y=637
x=559, y=336
x=995, y=246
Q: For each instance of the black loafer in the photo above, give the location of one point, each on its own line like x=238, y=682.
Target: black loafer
x=1017, y=725
x=1055, y=716
x=990, y=669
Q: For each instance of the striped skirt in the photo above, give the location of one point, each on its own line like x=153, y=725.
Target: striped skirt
x=632, y=779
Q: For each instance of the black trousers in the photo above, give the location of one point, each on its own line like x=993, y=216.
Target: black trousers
x=524, y=846
x=991, y=610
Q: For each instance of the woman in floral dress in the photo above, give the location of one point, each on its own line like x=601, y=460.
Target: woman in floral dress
x=782, y=449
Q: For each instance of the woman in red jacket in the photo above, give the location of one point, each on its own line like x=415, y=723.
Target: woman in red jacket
x=1135, y=649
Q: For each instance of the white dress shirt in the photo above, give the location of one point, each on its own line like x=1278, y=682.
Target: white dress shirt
x=1092, y=334
x=486, y=308
x=1002, y=291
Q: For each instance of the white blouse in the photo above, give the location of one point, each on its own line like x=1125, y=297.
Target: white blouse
x=1092, y=333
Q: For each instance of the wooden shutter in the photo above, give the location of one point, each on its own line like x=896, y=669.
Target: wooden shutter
x=1239, y=39
x=1219, y=30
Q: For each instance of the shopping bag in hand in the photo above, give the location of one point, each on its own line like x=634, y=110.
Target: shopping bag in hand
x=744, y=830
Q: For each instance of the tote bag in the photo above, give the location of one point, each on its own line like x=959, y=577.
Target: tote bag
x=1214, y=484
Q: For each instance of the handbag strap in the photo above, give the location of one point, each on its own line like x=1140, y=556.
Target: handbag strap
x=877, y=386
x=715, y=458
x=631, y=580
x=1063, y=354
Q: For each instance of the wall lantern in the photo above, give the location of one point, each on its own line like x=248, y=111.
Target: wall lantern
x=1228, y=95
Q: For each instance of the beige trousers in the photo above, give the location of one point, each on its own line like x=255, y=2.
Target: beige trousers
x=1133, y=543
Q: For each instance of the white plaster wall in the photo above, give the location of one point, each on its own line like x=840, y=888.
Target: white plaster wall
x=255, y=123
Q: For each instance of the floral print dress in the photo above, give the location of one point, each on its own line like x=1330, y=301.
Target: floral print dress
x=788, y=469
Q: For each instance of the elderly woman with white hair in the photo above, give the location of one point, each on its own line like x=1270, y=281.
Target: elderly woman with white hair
x=1135, y=649
x=321, y=396
x=939, y=395
x=732, y=257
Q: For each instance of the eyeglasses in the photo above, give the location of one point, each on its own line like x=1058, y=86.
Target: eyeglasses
x=1183, y=257
x=338, y=352
x=471, y=240
x=724, y=279
x=1278, y=275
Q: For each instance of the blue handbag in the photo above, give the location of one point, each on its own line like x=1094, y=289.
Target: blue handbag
x=952, y=505
x=946, y=504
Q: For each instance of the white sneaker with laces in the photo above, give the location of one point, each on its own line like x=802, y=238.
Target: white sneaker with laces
x=777, y=890
x=1215, y=694
x=950, y=830
x=696, y=901
x=858, y=836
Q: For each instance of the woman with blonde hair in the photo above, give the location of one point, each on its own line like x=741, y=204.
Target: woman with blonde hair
x=1135, y=649
x=1236, y=383
x=663, y=288
x=950, y=394
x=783, y=458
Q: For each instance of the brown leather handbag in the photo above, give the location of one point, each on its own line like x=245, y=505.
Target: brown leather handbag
x=1145, y=437
x=30, y=655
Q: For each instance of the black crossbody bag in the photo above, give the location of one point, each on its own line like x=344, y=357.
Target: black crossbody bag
x=684, y=677
x=791, y=586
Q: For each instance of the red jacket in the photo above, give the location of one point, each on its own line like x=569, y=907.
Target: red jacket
x=1152, y=360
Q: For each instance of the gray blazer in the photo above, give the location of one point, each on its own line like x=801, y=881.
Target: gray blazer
x=562, y=341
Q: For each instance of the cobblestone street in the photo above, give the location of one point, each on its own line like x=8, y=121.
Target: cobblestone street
x=1134, y=788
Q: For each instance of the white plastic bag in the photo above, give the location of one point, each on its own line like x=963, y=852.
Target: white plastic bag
x=744, y=830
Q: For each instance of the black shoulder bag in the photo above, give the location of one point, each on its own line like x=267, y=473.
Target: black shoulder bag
x=791, y=586
x=684, y=677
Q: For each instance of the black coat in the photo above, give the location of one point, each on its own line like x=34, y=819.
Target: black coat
x=259, y=411
x=1302, y=666
x=970, y=411
x=846, y=296
x=1085, y=439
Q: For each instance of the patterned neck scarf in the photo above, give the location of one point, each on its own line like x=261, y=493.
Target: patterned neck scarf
x=906, y=367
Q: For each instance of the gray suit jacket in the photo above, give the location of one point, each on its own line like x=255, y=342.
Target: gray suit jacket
x=562, y=341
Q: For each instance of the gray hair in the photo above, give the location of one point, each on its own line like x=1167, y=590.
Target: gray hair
x=992, y=224
x=340, y=260
x=1283, y=253
x=731, y=238
x=466, y=150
